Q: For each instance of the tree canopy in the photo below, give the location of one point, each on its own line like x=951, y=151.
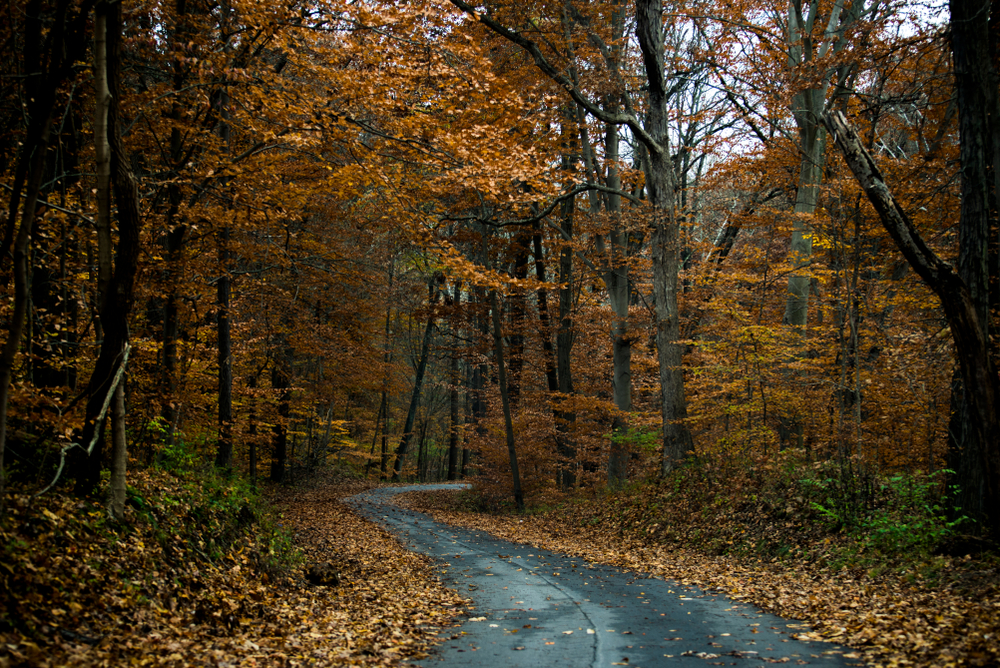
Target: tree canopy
x=545, y=245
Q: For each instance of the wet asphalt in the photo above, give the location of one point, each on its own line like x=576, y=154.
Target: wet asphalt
x=532, y=607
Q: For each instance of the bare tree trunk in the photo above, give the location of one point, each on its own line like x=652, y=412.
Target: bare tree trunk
x=522, y=240
x=118, y=296
x=387, y=359
x=619, y=293
x=102, y=149
x=281, y=382
x=119, y=456
x=223, y=298
x=422, y=457
x=375, y=431
x=976, y=461
x=467, y=410
x=665, y=240
x=564, y=351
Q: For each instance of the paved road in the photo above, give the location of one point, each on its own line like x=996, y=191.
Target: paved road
x=535, y=608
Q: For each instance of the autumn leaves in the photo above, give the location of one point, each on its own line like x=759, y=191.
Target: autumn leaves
x=609, y=191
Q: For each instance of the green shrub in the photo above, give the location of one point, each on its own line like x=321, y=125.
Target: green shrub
x=907, y=513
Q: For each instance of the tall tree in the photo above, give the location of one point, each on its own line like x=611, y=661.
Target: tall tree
x=653, y=133
x=418, y=380
x=53, y=42
x=981, y=480
x=119, y=296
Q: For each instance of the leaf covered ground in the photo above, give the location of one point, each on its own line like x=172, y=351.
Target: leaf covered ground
x=945, y=612
x=194, y=578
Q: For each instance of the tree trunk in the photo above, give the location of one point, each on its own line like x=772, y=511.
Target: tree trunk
x=119, y=456
x=454, y=380
x=422, y=453
x=975, y=460
x=665, y=240
x=564, y=350
x=467, y=411
x=117, y=300
x=252, y=436
x=522, y=240
x=281, y=383
x=169, y=410
x=418, y=383
x=387, y=359
x=103, y=54
x=619, y=293
x=224, y=449
x=375, y=431
x=978, y=369
x=505, y=401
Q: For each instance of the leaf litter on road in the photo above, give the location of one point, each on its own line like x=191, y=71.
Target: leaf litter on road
x=889, y=620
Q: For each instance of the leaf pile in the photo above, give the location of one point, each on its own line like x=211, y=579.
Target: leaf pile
x=166, y=590
x=895, y=619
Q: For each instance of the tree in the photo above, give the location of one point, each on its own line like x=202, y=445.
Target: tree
x=418, y=380
x=660, y=186
x=978, y=368
x=53, y=42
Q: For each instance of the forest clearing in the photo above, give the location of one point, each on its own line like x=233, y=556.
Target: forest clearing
x=701, y=289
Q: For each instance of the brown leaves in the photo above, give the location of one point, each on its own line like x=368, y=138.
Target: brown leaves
x=74, y=592
x=894, y=619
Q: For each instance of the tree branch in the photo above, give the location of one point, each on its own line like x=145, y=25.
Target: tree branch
x=547, y=68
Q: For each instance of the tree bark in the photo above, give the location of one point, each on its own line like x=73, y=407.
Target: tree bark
x=976, y=88
x=619, y=293
x=665, y=240
x=119, y=456
x=418, y=382
x=224, y=447
x=978, y=369
x=117, y=300
x=453, y=402
x=522, y=241
x=105, y=246
x=281, y=380
x=505, y=401
x=564, y=350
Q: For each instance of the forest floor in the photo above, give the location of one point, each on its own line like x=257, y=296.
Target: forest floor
x=200, y=575
x=182, y=584
x=923, y=611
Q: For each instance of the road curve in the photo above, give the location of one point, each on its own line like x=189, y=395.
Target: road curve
x=539, y=609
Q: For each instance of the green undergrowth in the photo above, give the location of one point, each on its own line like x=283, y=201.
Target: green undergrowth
x=785, y=509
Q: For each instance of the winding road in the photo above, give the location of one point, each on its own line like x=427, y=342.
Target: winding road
x=535, y=608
